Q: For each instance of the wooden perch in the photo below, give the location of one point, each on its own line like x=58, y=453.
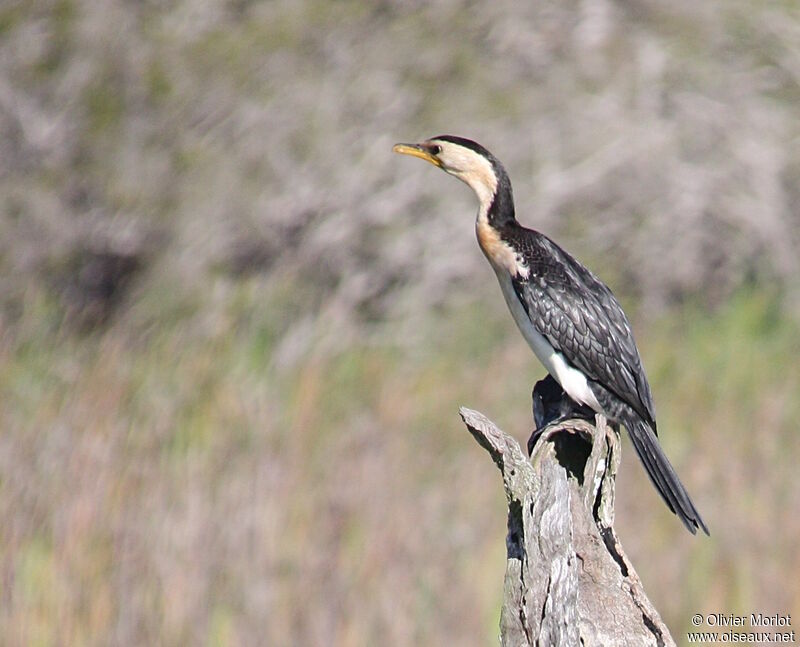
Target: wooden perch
x=568, y=581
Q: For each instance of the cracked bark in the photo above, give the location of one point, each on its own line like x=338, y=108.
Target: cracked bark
x=568, y=580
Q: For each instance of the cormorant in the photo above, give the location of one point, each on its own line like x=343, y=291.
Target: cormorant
x=569, y=317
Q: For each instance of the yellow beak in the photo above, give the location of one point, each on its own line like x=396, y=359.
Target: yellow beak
x=416, y=150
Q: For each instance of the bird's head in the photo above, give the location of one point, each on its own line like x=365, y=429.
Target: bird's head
x=465, y=159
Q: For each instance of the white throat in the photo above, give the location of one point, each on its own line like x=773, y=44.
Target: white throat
x=479, y=175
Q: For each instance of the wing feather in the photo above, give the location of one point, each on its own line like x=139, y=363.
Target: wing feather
x=580, y=317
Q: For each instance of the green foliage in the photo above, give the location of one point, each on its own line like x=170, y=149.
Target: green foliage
x=105, y=103
x=10, y=14
x=158, y=82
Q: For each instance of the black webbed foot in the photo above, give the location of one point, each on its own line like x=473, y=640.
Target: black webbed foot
x=535, y=434
x=552, y=405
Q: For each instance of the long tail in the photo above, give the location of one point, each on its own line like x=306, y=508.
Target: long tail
x=663, y=475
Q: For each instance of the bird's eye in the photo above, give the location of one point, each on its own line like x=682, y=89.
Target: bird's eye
x=435, y=149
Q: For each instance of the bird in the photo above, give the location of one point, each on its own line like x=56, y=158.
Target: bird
x=568, y=316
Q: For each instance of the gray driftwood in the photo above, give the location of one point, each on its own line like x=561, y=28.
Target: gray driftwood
x=568, y=581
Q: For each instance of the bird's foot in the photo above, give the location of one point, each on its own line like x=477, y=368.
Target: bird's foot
x=551, y=405
x=535, y=435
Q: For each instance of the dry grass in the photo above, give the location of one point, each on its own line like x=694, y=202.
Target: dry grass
x=178, y=486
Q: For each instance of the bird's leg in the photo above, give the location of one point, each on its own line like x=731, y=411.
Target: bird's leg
x=552, y=405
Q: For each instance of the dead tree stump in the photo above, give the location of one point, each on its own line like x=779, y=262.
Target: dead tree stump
x=568, y=581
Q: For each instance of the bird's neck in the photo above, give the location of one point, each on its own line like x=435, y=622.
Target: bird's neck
x=501, y=211
x=496, y=202
x=495, y=217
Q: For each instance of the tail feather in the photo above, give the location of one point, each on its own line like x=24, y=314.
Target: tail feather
x=663, y=475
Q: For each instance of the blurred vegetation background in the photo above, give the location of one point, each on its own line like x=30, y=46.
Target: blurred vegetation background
x=235, y=330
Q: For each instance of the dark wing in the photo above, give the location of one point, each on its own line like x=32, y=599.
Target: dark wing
x=582, y=319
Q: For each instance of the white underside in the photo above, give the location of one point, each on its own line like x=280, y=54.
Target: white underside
x=571, y=380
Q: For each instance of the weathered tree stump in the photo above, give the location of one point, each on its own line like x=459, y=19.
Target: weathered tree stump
x=568, y=581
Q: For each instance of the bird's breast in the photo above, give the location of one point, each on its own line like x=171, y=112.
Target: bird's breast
x=571, y=379
x=499, y=253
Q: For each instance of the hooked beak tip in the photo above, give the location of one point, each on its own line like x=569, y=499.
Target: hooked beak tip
x=416, y=150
